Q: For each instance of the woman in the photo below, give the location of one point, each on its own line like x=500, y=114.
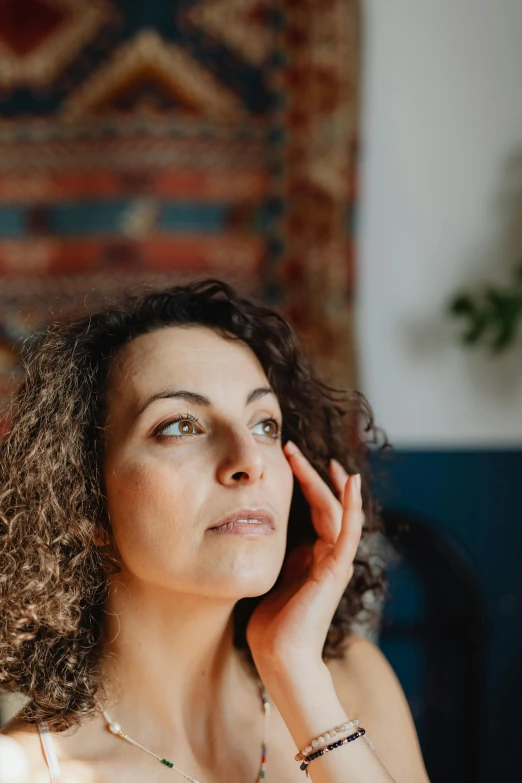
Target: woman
x=180, y=514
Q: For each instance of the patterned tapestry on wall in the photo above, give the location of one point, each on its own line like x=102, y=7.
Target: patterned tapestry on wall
x=160, y=140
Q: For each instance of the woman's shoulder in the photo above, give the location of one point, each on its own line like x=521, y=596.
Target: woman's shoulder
x=27, y=739
x=359, y=668
x=370, y=691
x=22, y=732
x=364, y=672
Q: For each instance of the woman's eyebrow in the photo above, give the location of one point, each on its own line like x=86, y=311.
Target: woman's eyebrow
x=199, y=399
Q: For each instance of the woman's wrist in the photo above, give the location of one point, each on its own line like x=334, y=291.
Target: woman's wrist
x=305, y=696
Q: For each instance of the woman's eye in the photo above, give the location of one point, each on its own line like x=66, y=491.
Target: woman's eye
x=275, y=428
x=184, y=427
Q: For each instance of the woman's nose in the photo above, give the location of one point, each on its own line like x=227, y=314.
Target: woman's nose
x=242, y=459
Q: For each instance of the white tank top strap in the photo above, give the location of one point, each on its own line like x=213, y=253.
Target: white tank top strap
x=49, y=751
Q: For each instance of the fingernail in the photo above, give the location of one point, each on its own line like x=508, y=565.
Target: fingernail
x=291, y=447
x=356, y=484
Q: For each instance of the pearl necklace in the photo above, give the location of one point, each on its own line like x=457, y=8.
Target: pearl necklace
x=117, y=730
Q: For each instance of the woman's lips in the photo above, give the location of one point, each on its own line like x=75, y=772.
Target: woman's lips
x=243, y=528
x=246, y=521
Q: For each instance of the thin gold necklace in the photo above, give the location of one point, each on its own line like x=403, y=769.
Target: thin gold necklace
x=117, y=730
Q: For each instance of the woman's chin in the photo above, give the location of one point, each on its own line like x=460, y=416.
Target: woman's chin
x=238, y=583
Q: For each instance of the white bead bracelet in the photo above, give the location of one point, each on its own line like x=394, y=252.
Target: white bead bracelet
x=327, y=737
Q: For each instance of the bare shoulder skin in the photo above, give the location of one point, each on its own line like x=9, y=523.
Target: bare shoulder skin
x=369, y=690
x=27, y=736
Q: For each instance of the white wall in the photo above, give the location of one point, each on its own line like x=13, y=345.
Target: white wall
x=440, y=192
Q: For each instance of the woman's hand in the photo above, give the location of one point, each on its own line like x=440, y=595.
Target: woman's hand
x=289, y=626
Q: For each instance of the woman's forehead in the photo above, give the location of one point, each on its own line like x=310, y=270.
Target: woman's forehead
x=183, y=355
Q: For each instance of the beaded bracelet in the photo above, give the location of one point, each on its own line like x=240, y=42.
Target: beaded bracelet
x=334, y=745
x=328, y=735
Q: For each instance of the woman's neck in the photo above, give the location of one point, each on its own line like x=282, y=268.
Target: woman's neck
x=169, y=662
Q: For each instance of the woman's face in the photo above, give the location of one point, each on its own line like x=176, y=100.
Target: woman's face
x=168, y=482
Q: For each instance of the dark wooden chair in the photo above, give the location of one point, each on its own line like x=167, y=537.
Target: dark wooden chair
x=435, y=635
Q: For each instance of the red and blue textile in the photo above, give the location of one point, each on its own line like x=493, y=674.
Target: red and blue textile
x=156, y=140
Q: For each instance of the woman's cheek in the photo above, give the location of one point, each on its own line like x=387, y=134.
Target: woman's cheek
x=138, y=492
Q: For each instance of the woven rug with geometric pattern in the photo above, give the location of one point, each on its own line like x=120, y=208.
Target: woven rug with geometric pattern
x=155, y=141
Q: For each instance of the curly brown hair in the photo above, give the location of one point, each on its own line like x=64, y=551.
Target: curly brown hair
x=53, y=570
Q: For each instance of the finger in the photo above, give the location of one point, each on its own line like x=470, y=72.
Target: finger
x=314, y=487
x=317, y=493
x=351, y=524
x=339, y=477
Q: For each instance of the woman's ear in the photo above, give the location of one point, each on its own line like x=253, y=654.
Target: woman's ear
x=101, y=536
